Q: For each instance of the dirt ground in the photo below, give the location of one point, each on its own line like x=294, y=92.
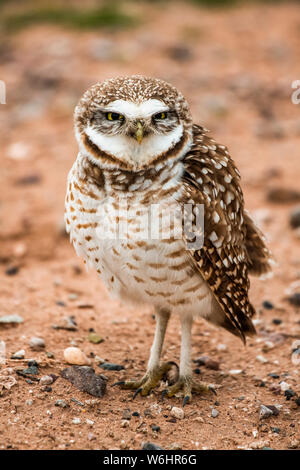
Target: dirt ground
x=236, y=67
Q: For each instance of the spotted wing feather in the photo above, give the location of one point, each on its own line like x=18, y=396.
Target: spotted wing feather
x=212, y=179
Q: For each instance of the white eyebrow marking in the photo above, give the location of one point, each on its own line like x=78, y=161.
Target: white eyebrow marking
x=136, y=110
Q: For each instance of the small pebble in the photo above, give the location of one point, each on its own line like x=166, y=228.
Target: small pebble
x=110, y=366
x=7, y=319
x=294, y=299
x=264, y=412
x=207, y=362
x=284, y=386
x=289, y=394
x=126, y=414
x=46, y=380
x=268, y=305
x=275, y=430
x=267, y=346
x=235, y=371
x=61, y=404
x=95, y=338
x=150, y=446
x=262, y=359
x=273, y=375
x=214, y=413
x=295, y=217
x=294, y=444
x=155, y=428
x=75, y=356
x=259, y=444
x=177, y=412
x=12, y=270
x=18, y=354
x=90, y=422
x=36, y=344
x=76, y=421
x=276, y=321
x=175, y=446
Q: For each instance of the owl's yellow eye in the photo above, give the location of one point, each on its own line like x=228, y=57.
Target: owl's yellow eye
x=114, y=116
x=160, y=116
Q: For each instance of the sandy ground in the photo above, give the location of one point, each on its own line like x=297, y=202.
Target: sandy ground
x=236, y=67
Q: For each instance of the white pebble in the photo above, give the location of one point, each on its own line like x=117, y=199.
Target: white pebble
x=46, y=380
x=19, y=354
x=284, y=386
x=36, y=343
x=76, y=421
x=177, y=412
x=262, y=359
x=75, y=356
x=235, y=371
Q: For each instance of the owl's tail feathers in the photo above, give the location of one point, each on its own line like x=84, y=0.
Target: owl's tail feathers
x=260, y=260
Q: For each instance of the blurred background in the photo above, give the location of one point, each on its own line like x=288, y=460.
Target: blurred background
x=235, y=61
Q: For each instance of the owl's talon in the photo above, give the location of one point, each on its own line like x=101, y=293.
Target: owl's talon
x=139, y=390
x=187, y=386
x=186, y=400
x=121, y=382
x=150, y=380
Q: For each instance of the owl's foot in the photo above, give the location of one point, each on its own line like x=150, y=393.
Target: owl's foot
x=187, y=385
x=149, y=381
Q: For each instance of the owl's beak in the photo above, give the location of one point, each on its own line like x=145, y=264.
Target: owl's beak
x=139, y=133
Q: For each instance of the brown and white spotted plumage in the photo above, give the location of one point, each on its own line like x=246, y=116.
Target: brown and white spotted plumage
x=137, y=144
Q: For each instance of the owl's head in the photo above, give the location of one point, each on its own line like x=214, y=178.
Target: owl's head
x=132, y=123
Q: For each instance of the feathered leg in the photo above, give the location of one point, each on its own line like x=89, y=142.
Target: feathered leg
x=155, y=370
x=185, y=381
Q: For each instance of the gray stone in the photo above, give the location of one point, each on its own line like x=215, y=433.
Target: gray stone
x=7, y=319
x=36, y=344
x=85, y=379
x=295, y=217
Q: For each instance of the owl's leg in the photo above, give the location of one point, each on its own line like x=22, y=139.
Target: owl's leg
x=155, y=370
x=185, y=381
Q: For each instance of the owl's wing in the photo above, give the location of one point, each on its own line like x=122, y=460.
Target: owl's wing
x=212, y=179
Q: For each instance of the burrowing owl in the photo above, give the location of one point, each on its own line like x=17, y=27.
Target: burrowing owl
x=137, y=143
